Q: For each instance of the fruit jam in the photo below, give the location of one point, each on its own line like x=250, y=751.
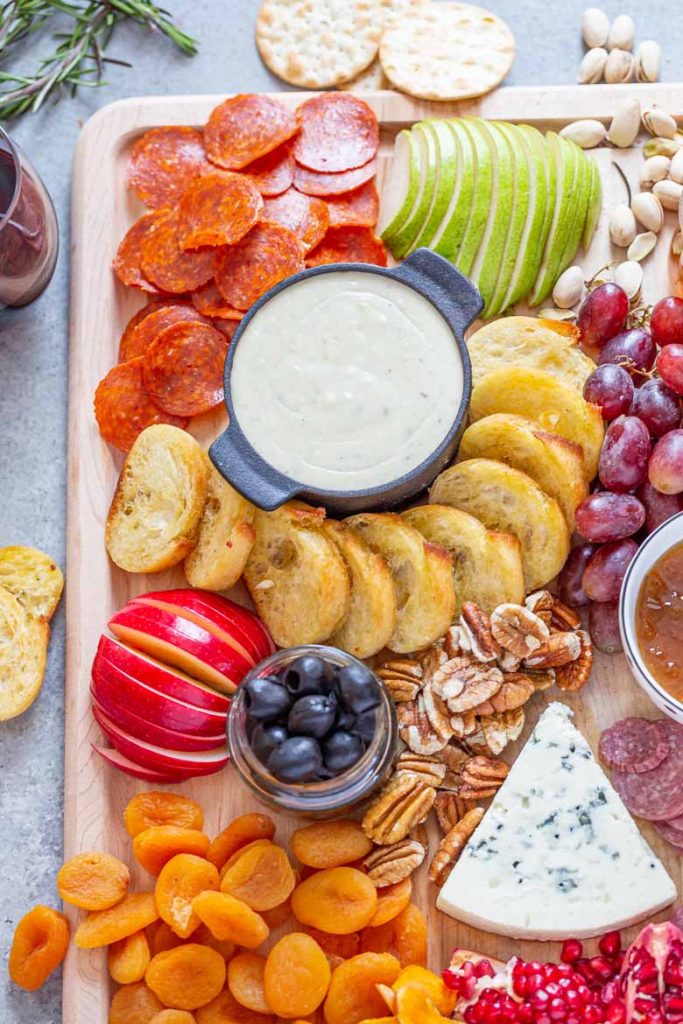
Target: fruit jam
x=659, y=621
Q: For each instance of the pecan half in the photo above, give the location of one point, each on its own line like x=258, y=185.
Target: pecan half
x=454, y=642
x=390, y=864
x=476, y=627
x=450, y=809
x=465, y=684
x=426, y=767
x=404, y=803
x=542, y=678
x=516, y=690
x=403, y=678
x=563, y=617
x=576, y=674
x=508, y=662
x=464, y=725
x=416, y=728
x=558, y=649
x=482, y=777
x=518, y=630
x=500, y=730
x=541, y=604
x=452, y=845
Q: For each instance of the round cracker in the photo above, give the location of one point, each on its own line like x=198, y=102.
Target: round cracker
x=447, y=51
x=321, y=44
x=373, y=78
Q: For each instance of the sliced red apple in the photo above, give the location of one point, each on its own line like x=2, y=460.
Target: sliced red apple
x=149, y=731
x=163, y=678
x=124, y=764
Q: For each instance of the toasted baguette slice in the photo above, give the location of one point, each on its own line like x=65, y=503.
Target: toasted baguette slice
x=154, y=517
x=555, y=463
x=34, y=578
x=225, y=538
x=541, y=397
x=23, y=651
x=421, y=573
x=487, y=566
x=371, y=616
x=296, y=576
x=549, y=345
x=505, y=499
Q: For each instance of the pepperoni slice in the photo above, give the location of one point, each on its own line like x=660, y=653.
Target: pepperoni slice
x=349, y=245
x=656, y=795
x=359, y=208
x=217, y=209
x=127, y=263
x=227, y=328
x=209, y=301
x=339, y=131
x=166, y=264
x=317, y=183
x=247, y=127
x=634, y=745
x=306, y=216
x=123, y=408
x=273, y=173
x=266, y=256
x=136, y=319
x=163, y=162
x=183, y=368
x=137, y=341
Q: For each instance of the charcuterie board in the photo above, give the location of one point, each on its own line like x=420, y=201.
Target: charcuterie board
x=95, y=794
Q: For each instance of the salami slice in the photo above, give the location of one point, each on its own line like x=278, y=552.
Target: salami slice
x=634, y=745
x=359, y=208
x=163, y=162
x=656, y=795
x=209, y=301
x=317, y=183
x=127, y=263
x=349, y=245
x=136, y=342
x=672, y=835
x=123, y=408
x=217, y=209
x=166, y=264
x=183, y=368
x=306, y=216
x=246, y=127
x=339, y=131
x=266, y=256
x=273, y=173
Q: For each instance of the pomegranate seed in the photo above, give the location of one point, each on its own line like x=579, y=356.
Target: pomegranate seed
x=616, y=1013
x=572, y=950
x=610, y=944
x=484, y=969
x=609, y=992
x=602, y=968
x=525, y=1015
x=540, y=999
x=450, y=980
x=585, y=970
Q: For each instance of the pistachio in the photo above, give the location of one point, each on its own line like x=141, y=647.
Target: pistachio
x=663, y=147
x=669, y=193
x=622, y=225
x=659, y=123
x=551, y=313
x=586, y=133
x=568, y=288
x=594, y=27
x=629, y=276
x=619, y=67
x=647, y=61
x=621, y=33
x=592, y=66
x=654, y=169
x=625, y=125
x=676, y=167
x=677, y=243
x=648, y=210
x=641, y=246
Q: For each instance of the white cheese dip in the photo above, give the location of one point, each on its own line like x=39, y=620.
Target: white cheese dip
x=346, y=380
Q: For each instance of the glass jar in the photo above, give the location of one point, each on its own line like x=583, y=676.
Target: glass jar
x=313, y=799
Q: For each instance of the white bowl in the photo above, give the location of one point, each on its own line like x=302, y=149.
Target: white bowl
x=657, y=544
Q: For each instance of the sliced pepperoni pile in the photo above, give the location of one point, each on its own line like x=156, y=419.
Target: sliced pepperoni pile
x=234, y=209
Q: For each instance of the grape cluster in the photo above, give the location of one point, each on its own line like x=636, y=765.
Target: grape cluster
x=638, y=386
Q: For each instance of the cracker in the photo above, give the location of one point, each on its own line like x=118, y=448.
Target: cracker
x=373, y=78
x=447, y=51
x=316, y=44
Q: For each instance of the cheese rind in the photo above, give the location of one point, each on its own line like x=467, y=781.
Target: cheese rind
x=557, y=853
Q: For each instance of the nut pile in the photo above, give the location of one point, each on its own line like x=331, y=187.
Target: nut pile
x=609, y=46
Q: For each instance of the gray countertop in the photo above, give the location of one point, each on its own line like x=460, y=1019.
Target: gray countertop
x=33, y=384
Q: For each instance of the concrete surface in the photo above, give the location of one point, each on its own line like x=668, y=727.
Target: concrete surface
x=33, y=382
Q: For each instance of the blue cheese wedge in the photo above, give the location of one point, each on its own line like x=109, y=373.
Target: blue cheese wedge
x=557, y=853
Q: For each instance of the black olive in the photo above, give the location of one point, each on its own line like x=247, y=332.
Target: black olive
x=298, y=759
x=266, y=699
x=267, y=738
x=306, y=676
x=345, y=719
x=341, y=751
x=313, y=715
x=358, y=688
x=364, y=726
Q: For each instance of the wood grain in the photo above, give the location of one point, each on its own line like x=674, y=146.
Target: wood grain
x=102, y=209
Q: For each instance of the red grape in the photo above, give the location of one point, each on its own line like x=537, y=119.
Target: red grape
x=605, y=516
x=657, y=406
x=569, y=586
x=603, y=624
x=635, y=350
x=602, y=315
x=625, y=453
x=611, y=388
x=606, y=570
x=666, y=463
x=666, y=322
x=658, y=507
x=670, y=367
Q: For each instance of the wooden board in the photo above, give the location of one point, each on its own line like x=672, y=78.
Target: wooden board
x=102, y=209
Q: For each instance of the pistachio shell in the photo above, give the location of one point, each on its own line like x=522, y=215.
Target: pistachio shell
x=586, y=133
x=669, y=193
x=654, y=169
x=663, y=147
x=629, y=276
x=568, y=288
x=659, y=123
x=677, y=243
x=625, y=125
x=676, y=167
x=648, y=210
x=647, y=61
x=551, y=313
x=622, y=225
x=621, y=33
x=592, y=66
x=641, y=246
x=594, y=27
x=619, y=67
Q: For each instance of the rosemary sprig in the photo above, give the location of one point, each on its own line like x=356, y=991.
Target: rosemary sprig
x=80, y=55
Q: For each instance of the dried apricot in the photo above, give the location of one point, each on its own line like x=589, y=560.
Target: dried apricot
x=162, y=937
x=173, y=1017
x=353, y=996
x=277, y=916
x=337, y=900
x=239, y=832
x=340, y=946
x=405, y=936
x=186, y=977
x=443, y=997
x=413, y=1003
x=93, y=881
x=330, y=844
x=234, y=857
x=297, y=976
x=260, y=876
x=155, y=808
x=204, y=937
x=156, y=845
x=391, y=900
x=128, y=958
x=245, y=981
x=225, y=1009
x=180, y=880
x=102, y=927
x=39, y=945
x=230, y=919
x=134, y=1004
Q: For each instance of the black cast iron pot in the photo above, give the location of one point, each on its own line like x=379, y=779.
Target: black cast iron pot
x=458, y=302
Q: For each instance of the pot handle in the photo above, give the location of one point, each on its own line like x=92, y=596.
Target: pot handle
x=241, y=466
x=434, y=276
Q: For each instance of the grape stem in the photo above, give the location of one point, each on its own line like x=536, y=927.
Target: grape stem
x=623, y=177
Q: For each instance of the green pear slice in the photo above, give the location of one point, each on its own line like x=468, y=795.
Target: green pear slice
x=487, y=263
x=580, y=193
x=523, y=201
x=446, y=169
x=449, y=234
x=480, y=205
x=565, y=155
x=408, y=232
x=400, y=189
x=594, y=205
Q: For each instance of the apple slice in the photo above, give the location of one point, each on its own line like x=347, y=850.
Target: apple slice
x=162, y=678
x=565, y=155
x=482, y=198
x=162, y=759
x=149, y=731
x=445, y=155
x=401, y=188
x=450, y=231
x=124, y=764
